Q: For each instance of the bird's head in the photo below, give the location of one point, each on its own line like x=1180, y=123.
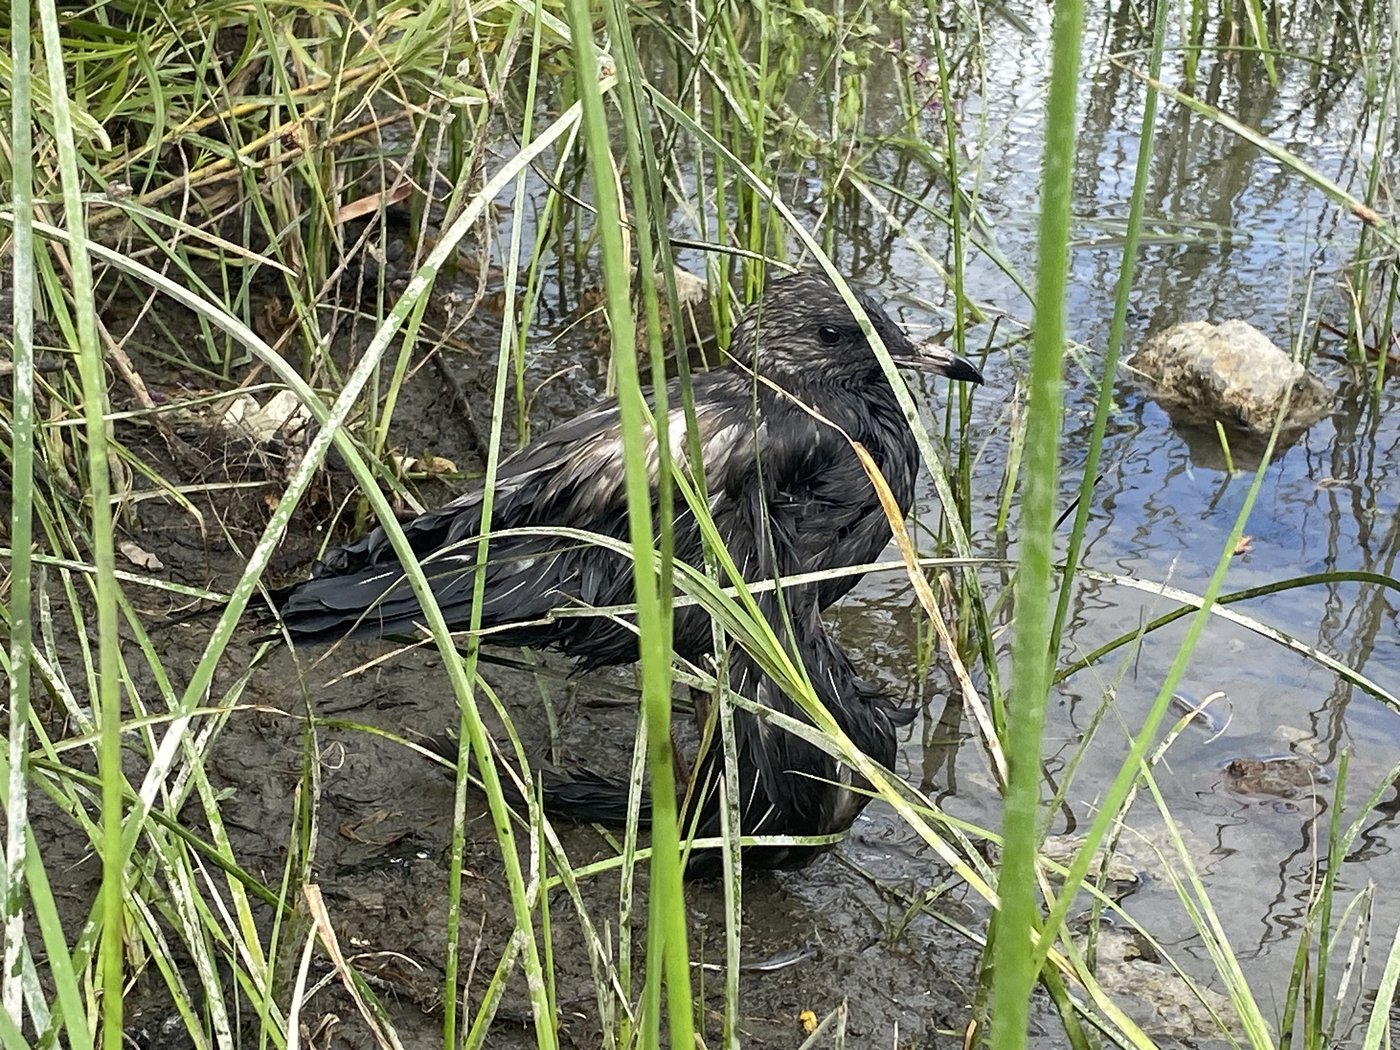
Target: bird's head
x=802, y=329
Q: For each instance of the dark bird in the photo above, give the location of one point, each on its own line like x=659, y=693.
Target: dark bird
x=776, y=427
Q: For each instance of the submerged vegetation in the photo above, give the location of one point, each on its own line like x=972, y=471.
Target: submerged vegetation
x=275, y=272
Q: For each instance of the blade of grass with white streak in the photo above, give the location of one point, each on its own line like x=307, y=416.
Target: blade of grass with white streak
x=94, y=385
x=21, y=512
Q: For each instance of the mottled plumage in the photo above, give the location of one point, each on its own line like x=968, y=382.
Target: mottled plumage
x=769, y=464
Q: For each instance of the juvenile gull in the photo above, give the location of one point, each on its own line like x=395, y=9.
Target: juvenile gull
x=775, y=429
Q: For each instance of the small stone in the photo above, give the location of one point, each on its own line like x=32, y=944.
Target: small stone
x=1230, y=373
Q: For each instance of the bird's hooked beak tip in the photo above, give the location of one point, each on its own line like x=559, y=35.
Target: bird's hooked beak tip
x=962, y=368
x=935, y=357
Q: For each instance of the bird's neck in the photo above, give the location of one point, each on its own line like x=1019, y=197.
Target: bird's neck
x=866, y=410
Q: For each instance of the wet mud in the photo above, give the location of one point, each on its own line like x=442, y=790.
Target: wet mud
x=310, y=793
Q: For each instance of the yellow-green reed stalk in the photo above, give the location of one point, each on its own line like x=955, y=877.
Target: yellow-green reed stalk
x=666, y=930
x=94, y=387
x=1015, y=969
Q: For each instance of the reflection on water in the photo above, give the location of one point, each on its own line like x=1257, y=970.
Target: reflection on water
x=1231, y=234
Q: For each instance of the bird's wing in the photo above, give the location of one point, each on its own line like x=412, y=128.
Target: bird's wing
x=759, y=530
x=571, y=477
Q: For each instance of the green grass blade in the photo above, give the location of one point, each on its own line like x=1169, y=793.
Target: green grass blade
x=541, y=997
x=1112, y=801
x=1142, y=176
x=666, y=933
x=21, y=512
x=1015, y=967
x=1374, y=221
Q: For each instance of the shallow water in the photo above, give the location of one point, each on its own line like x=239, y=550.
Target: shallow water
x=1231, y=234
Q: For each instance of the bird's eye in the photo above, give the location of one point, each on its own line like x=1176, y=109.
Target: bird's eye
x=828, y=335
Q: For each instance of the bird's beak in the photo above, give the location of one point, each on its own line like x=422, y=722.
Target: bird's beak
x=937, y=358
